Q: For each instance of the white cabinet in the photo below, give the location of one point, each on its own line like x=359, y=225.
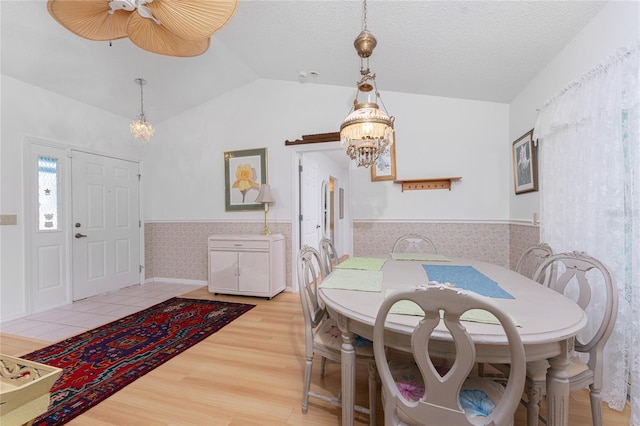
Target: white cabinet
x=249, y=265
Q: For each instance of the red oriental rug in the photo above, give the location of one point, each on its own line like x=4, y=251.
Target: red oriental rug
x=100, y=362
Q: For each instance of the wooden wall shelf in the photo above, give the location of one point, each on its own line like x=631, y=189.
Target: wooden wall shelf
x=431, y=183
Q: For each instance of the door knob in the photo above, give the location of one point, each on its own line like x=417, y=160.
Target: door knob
x=79, y=235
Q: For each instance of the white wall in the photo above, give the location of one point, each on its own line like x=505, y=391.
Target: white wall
x=441, y=137
x=28, y=111
x=184, y=165
x=436, y=137
x=617, y=25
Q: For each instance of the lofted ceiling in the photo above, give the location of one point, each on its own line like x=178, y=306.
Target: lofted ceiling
x=480, y=50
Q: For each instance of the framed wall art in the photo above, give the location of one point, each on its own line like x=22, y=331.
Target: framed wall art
x=525, y=164
x=385, y=167
x=244, y=172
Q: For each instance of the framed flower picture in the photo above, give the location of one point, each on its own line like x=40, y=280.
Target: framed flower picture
x=525, y=164
x=244, y=172
x=385, y=166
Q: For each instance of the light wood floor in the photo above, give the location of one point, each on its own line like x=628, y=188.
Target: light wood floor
x=248, y=373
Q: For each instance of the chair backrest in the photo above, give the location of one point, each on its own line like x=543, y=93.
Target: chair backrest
x=310, y=273
x=531, y=259
x=440, y=403
x=580, y=276
x=329, y=254
x=414, y=243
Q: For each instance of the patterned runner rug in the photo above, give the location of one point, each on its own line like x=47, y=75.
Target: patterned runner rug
x=99, y=362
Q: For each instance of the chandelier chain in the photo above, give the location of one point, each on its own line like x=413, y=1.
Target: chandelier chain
x=141, y=99
x=364, y=16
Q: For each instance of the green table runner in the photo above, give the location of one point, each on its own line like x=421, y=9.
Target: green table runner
x=407, y=307
x=354, y=279
x=363, y=263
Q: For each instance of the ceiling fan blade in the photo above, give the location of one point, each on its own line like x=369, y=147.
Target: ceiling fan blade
x=155, y=38
x=193, y=19
x=90, y=18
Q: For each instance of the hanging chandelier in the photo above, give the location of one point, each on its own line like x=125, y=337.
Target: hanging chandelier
x=141, y=128
x=367, y=131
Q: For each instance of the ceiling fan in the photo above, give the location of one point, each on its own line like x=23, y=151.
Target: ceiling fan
x=167, y=27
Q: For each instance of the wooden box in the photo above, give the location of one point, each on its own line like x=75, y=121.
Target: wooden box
x=24, y=389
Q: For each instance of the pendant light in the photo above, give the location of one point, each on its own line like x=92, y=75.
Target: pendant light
x=367, y=131
x=141, y=128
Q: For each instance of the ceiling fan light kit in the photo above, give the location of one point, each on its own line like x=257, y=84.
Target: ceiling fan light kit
x=181, y=28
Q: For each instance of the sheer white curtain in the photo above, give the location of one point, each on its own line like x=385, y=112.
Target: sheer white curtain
x=589, y=145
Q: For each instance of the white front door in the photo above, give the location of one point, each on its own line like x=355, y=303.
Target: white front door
x=46, y=226
x=105, y=224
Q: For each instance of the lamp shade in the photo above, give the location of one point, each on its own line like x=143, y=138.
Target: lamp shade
x=264, y=195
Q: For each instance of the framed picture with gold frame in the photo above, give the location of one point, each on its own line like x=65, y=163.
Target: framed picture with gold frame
x=525, y=164
x=244, y=172
x=385, y=166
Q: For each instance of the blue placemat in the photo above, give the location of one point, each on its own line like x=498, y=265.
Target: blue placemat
x=468, y=278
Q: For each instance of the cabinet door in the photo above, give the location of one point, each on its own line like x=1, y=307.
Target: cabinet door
x=223, y=274
x=254, y=272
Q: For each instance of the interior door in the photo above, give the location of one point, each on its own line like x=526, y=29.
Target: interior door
x=309, y=203
x=106, y=224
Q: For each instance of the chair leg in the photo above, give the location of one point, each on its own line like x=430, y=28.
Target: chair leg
x=596, y=406
x=373, y=392
x=307, y=384
x=534, y=394
x=323, y=362
x=480, y=369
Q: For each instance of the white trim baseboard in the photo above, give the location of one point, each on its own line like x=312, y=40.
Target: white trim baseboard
x=175, y=280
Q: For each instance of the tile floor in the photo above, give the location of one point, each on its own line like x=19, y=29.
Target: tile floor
x=65, y=321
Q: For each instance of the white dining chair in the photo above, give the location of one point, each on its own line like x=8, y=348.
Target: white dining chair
x=532, y=257
x=417, y=392
x=328, y=254
x=588, y=282
x=528, y=263
x=413, y=243
x=323, y=337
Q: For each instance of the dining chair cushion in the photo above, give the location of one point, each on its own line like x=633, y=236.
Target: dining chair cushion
x=330, y=336
x=478, y=396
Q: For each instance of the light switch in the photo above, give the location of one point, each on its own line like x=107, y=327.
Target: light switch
x=8, y=219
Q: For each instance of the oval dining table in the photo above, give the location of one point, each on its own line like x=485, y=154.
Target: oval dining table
x=547, y=321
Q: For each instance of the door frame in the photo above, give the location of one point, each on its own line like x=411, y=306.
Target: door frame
x=29, y=208
x=346, y=230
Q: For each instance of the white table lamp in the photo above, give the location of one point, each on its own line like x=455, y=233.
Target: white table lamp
x=264, y=196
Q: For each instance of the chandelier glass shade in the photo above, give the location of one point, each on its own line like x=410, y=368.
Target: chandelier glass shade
x=368, y=130
x=141, y=128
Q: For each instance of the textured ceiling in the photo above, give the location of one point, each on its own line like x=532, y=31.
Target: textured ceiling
x=481, y=50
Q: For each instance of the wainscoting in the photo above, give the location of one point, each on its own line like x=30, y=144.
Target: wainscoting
x=178, y=250
x=500, y=244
